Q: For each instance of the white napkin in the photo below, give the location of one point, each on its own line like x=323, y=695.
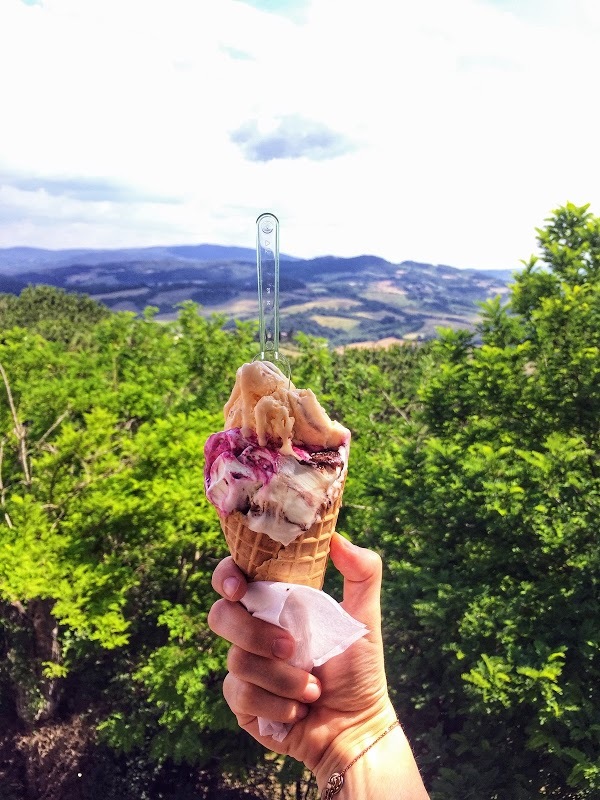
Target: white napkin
x=320, y=626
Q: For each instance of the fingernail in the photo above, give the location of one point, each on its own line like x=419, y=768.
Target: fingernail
x=230, y=587
x=312, y=691
x=282, y=648
x=302, y=712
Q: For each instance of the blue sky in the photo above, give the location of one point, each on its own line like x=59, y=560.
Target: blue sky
x=436, y=131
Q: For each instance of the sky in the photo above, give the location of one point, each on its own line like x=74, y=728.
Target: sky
x=442, y=131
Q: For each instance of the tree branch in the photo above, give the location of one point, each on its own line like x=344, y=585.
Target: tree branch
x=3, y=487
x=20, y=607
x=20, y=430
x=52, y=427
x=398, y=410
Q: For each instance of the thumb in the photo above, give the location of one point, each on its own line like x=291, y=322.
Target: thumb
x=362, y=570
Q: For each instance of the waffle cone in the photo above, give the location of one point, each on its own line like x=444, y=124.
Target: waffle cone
x=263, y=559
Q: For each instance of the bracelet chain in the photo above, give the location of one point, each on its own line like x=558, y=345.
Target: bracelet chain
x=336, y=781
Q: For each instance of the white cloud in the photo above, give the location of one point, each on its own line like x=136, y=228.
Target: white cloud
x=471, y=121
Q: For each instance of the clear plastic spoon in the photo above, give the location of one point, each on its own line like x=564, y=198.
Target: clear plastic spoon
x=267, y=267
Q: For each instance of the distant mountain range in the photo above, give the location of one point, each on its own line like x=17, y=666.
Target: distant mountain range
x=346, y=300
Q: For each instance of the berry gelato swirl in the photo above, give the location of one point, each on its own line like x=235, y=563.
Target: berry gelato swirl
x=281, y=495
x=281, y=461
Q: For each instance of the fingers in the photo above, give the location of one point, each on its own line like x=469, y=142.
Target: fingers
x=362, y=571
x=228, y=580
x=275, y=676
x=247, y=701
x=231, y=621
x=357, y=564
x=260, y=687
x=260, y=682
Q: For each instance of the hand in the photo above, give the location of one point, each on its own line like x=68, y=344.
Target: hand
x=339, y=708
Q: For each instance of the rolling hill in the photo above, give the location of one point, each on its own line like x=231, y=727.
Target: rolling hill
x=347, y=300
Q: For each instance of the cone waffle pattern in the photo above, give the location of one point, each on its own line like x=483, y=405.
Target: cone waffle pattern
x=263, y=559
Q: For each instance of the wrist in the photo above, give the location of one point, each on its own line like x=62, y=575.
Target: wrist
x=351, y=742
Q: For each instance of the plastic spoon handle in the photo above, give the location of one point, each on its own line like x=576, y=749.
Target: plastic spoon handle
x=267, y=265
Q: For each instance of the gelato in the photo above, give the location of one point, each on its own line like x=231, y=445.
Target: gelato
x=276, y=476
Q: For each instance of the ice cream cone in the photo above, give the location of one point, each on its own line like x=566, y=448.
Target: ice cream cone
x=261, y=558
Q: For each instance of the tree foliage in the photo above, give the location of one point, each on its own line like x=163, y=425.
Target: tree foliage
x=491, y=537
x=107, y=541
x=54, y=313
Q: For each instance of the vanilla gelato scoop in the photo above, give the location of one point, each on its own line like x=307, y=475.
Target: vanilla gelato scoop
x=266, y=402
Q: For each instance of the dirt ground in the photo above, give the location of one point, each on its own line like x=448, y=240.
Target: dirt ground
x=63, y=761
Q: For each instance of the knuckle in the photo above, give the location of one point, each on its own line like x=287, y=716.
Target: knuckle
x=238, y=694
x=376, y=563
x=229, y=691
x=244, y=694
x=236, y=659
x=215, y=615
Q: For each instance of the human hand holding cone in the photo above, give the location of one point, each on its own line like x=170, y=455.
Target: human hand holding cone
x=276, y=476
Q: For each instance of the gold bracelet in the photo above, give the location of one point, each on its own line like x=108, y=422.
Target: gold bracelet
x=335, y=783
